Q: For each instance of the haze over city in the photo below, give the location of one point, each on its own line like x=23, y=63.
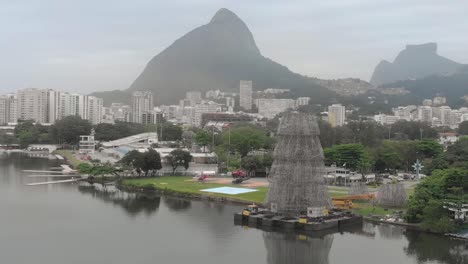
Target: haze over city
x=86, y=46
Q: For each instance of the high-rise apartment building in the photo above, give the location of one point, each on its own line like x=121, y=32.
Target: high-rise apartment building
x=8, y=109
x=425, y=114
x=94, y=110
x=245, y=95
x=4, y=109
x=336, y=115
x=142, y=102
x=33, y=104
x=445, y=112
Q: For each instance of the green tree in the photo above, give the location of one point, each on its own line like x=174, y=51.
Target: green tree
x=412, y=130
x=169, y=132
x=27, y=133
x=387, y=158
x=247, y=138
x=108, y=132
x=69, y=129
x=463, y=128
x=251, y=163
x=179, y=157
x=188, y=138
x=457, y=153
x=143, y=162
x=347, y=155
x=151, y=161
x=25, y=138
x=429, y=148
x=202, y=138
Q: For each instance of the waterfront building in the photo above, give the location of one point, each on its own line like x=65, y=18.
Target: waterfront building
x=87, y=144
x=336, y=115
x=142, y=102
x=245, y=95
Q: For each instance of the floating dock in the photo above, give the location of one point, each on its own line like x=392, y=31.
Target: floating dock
x=269, y=220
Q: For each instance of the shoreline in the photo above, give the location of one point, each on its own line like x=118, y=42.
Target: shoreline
x=228, y=200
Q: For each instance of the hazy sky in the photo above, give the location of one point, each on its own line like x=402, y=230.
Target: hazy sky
x=91, y=45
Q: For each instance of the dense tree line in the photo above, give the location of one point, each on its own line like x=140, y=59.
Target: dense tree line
x=371, y=134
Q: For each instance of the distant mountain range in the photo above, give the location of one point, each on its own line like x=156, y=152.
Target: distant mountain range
x=454, y=87
x=215, y=56
x=413, y=63
x=221, y=53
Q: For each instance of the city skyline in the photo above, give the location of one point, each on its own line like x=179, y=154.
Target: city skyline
x=95, y=54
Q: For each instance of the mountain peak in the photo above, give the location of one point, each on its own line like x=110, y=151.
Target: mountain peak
x=414, y=62
x=225, y=15
x=430, y=47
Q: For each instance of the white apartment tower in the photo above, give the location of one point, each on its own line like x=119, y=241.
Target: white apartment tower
x=425, y=114
x=4, y=110
x=33, y=104
x=336, y=115
x=90, y=108
x=142, y=102
x=245, y=95
x=8, y=109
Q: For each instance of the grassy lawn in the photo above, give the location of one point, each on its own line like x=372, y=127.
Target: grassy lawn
x=366, y=208
x=67, y=154
x=186, y=185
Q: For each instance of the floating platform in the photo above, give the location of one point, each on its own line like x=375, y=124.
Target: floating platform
x=269, y=220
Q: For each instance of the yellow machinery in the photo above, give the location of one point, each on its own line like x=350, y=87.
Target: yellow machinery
x=346, y=202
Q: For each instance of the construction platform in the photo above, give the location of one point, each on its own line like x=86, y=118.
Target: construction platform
x=268, y=220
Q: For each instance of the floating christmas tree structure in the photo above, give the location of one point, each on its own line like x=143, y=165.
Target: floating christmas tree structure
x=296, y=176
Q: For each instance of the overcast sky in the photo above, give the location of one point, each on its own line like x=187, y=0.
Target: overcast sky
x=95, y=45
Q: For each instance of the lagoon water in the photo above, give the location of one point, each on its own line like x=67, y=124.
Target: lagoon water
x=81, y=223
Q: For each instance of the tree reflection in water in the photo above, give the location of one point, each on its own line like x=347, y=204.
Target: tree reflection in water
x=132, y=203
x=298, y=249
x=428, y=247
x=175, y=204
x=390, y=231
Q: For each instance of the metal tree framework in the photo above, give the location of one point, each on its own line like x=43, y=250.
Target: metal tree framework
x=357, y=188
x=392, y=194
x=296, y=176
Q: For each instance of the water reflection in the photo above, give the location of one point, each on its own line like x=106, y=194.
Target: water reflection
x=427, y=247
x=132, y=203
x=390, y=231
x=175, y=204
x=292, y=248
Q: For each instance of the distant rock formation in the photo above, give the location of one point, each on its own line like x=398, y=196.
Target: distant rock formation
x=217, y=56
x=414, y=62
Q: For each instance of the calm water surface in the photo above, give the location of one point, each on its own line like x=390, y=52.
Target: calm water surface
x=80, y=223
